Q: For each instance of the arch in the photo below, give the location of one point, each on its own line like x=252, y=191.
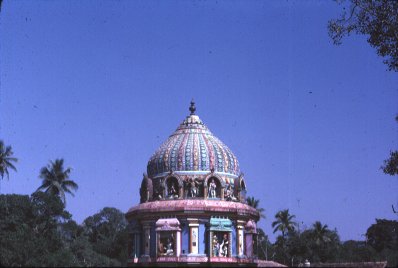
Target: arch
x=219, y=187
x=173, y=187
x=242, y=184
x=242, y=190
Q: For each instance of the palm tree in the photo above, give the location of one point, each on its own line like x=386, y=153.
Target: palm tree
x=255, y=203
x=6, y=159
x=284, y=222
x=320, y=233
x=56, y=180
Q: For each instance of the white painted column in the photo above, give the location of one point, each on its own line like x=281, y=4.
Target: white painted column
x=178, y=244
x=193, y=236
x=240, y=241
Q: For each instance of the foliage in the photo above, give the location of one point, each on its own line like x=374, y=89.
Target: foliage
x=56, y=179
x=265, y=247
x=284, y=222
x=383, y=238
x=318, y=244
x=383, y=235
x=378, y=20
x=29, y=235
x=37, y=231
x=357, y=251
x=391, y=164
x=107, y=232
x=77, y=241
x=6, y=159
x=255, y=203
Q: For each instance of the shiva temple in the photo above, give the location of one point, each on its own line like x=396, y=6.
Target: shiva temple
x=193, y=209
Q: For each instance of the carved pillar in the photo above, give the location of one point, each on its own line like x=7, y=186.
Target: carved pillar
x=211, y=244
x=193, y=236
x=147, y=237
x=239, y=240
x=178, y=244
x=251, y=239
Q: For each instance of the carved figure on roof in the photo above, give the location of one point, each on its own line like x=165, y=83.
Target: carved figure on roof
x=212, y=189
x=216, y=246
x=193, y=187
x=146, y=189
x=172, y=191
x=224, y=246
x=229, y=193
x=170, y=246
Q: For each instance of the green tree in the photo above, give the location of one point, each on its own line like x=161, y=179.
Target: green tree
x=284, y=222
x=29, y=231
x=356, y=251
x=391, y=164
x=378, y=20
x=320, y=233
x=6, y=159
x=255, y=203
x=383, y=237
x=76, y=241
x=324, y=243
x=383, y=234
x=56, y=179
x=107, y=232
x=265, y=247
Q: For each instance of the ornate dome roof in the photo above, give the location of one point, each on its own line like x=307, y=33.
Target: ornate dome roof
x=192, y=147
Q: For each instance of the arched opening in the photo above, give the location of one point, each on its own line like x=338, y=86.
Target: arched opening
x=242, y=190
x=213, y=188
x=172, y=188
x=229, y=192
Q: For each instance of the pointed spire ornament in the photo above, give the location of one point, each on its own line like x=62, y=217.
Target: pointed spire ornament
x=192, y=108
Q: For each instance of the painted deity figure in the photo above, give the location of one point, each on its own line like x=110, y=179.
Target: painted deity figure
x=224, y=246
x=161, y=248
x=172, y=192
x=212, y=189
x=229, y=195
x=169, y=247
x=216, y=246
x=192, y=188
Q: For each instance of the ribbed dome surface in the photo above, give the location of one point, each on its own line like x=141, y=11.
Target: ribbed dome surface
x=192, y=147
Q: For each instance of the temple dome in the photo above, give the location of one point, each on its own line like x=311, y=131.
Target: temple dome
x=192, y=147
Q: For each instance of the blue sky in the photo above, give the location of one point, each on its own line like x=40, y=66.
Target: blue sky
x=103, y=83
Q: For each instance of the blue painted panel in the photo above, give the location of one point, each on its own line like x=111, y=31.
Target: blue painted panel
x=184, y=238
x=234, y=252
x=202, y=238
x=152, y=250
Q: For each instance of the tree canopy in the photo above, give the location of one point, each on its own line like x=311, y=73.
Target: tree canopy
x=56, y=179
x=378, y=20
x=36, y=230
x=6, y=159
x=284, y=222
x=255, y=203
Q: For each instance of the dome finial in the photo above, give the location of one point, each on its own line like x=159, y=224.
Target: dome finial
x=192, y=108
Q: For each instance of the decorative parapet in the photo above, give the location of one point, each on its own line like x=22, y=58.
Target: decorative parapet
x=171, y=224
x=220, y=224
